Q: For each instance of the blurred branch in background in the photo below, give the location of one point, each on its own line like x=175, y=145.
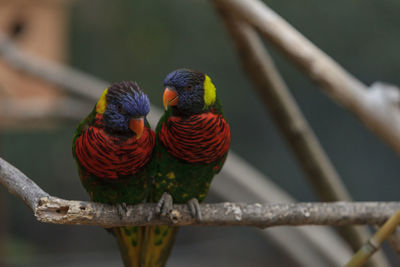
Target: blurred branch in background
x=284, y=110
x=314, y=246
x=83, y=85
x=21, y=113
x=55, y=210
x=381, y=115
x=290, y=120
x=378, y=107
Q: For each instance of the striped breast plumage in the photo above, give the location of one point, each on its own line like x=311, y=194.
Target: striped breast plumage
x=107, y=156
x=200, y=138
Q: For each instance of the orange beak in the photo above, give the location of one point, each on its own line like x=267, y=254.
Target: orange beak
x=170, y=98
x=137, y=125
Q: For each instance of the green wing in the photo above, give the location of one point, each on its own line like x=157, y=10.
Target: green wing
x=129, y=190
x=183, y=181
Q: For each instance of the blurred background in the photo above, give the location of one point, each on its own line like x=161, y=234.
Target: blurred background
x=143, y=41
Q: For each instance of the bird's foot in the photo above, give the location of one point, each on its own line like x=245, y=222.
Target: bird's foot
x=122, y=209
x=164, y=205
x=194, y=208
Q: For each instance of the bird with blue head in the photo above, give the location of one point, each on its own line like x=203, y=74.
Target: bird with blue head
x=192, y=142
x=113, y=147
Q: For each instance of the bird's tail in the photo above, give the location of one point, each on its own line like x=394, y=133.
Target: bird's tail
x=157, y=245
x=130, y=242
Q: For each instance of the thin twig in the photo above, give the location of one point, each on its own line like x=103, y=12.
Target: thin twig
x=375, y=242
x=290, y=120
x=383, y=119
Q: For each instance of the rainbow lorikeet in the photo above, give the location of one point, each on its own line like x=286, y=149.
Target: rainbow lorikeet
x=112, y=147
x=192, y=142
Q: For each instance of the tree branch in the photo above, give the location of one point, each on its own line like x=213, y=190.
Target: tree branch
x=55, y=210
x=383, y=118
x=289, y=119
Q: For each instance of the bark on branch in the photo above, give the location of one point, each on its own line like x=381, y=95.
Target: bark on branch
x=51, y=209
x=60, y=211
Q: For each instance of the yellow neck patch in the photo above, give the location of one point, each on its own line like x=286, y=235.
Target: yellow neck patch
x=101, y=104
x=209, y=92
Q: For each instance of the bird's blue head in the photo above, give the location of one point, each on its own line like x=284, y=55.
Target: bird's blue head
x=188, y=92
x=124, y=107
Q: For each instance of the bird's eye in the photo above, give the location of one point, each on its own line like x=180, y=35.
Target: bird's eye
x=189, y=87
x=121, y=110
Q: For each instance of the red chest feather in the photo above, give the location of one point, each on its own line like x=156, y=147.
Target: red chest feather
x=202, y=138
x=110, y=157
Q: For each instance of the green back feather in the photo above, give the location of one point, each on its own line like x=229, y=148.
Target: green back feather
x=183, y=181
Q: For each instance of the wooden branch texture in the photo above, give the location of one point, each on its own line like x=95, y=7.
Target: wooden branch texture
x=55, y=210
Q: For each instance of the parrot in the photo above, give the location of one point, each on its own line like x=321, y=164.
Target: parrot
x=112, y=147
x=192, y=142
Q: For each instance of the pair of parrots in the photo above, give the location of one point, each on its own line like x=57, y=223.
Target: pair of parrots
x=122, y=161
